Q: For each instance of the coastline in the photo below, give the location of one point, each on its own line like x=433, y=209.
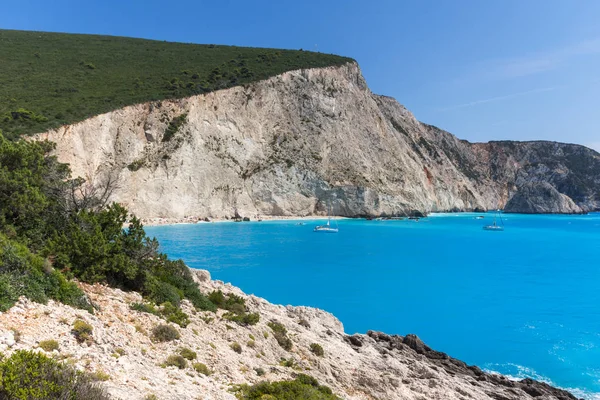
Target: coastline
x=260, y=218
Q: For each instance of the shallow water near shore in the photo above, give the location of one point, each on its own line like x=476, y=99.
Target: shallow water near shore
x=524, y=302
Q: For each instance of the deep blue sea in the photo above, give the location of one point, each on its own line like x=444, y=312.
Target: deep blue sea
x=524, y=302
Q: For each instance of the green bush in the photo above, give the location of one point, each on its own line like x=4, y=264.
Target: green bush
x=303, y=387
x=143, y=307
x=280, y=334
x=29, y=375
x=317, y=349
x=49, y=234
x=175, y=315
x=259, y=371
x=25, y=274
x=202, y=369
x=217, y=298
x=48, y=345
x=164, y=333
x=175, y=360
x=163, y=292
x=188, y=354
x=174, y=126
x=235, y=346
x=242, y=319
x=82, y=331
x=289, y=363
x=231, y=302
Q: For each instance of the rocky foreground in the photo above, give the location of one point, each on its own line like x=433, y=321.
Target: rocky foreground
x=130, y=365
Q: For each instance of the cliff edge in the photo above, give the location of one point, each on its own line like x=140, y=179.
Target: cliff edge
x=293, y=144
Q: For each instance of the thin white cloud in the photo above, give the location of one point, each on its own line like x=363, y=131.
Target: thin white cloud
x=513, y=95
x=534, y=63
x=497, y=98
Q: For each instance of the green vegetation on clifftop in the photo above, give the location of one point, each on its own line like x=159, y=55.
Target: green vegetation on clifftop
x=52, y=79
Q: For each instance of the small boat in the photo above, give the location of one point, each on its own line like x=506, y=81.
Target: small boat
x=495, y=226
x=300, y=223
x=327, y=228
x=479, y=217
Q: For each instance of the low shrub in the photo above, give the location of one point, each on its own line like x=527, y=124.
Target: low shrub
x=317, y=349
x=251, y=344
x=201, y=368
x=30, y=375
x=188, y=354
x=174, y=126
x=303, y=387
x=144, y=307
x=175, y=360
x=100, y=376
x=242, y=319
x=234, y=303
x=280, y=334
x=304, y=323
x=289, y=363
x=174, y=314
x=164, y=333
x=82, y=331
x=235, y=346
x=48, y=345
x=259, y=371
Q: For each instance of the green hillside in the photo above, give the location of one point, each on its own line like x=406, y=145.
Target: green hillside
x=52, y=79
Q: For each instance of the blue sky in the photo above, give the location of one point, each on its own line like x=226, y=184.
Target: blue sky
x=483, y=70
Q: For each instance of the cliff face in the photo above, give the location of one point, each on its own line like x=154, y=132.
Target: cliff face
x=371, y=366
x=533, y=198
x=304, y=140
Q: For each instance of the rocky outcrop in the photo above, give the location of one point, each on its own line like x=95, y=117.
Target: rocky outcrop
x=371, y=366
x=538, y=198
x=300, y=142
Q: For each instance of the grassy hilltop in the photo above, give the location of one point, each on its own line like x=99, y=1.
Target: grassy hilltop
x=52, y=79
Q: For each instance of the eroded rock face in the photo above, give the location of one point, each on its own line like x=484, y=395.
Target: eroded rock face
x=292, y=144
x=375, y=365
x=537, y=198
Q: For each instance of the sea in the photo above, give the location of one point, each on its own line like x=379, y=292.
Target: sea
x=524, y=302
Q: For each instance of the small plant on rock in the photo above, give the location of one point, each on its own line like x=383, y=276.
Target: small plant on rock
x=82, y=331
x=202, y=369
x=174, y=314
x=48, y=345
x=289, y=363
x=317, y=349
x=188, y=354
x=175, y=360
x=164, y=333
x=144, y=307
x=235, y=346
x=280, y=334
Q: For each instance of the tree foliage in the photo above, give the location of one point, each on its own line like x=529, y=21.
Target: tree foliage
x=53, y=229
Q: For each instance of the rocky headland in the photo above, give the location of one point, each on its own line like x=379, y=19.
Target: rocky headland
x=305, y=140
x=131, y=365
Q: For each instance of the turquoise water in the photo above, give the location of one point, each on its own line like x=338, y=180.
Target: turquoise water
x=523, y=302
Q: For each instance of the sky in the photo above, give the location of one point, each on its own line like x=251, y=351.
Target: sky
x=483, y=70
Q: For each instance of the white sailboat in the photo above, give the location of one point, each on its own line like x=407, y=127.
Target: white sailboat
x=327, y=228
x=495, y=226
